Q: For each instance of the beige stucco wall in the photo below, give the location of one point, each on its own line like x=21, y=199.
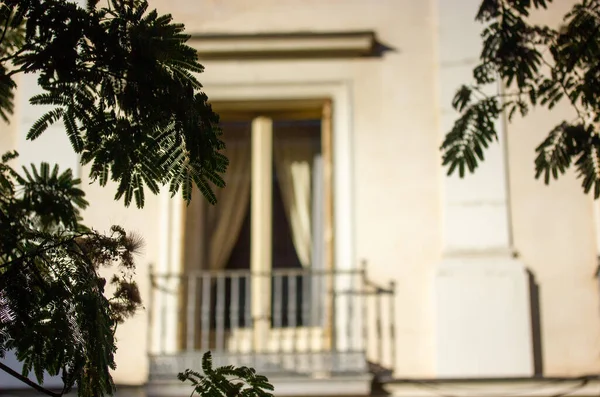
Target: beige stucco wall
x=554, y=233
x=396, y=178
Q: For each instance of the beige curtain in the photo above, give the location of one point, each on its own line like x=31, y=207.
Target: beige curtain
x=293, y=154
x=225, y=219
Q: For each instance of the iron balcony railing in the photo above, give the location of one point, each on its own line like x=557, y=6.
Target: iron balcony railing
x=294, y=321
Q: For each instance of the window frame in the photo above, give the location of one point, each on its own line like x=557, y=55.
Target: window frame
x=343, y=254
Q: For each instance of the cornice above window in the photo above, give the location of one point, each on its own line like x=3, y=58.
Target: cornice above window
x=304, y=45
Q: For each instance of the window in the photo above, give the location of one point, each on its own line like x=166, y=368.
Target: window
x=273, y=221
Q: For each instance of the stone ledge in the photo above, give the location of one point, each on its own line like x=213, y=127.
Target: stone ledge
x=530, y=387
x=286, y=45
x=339, y=385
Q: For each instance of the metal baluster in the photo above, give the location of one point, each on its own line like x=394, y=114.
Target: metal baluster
x=293, y=299
x=292, y=312
x=305, y=315
x=365, y=311
x=304, y=307
x=220, y=311
x=333, y=321
x=205, y=325
x=163, y=322
x=149, y=331
x=315, y=300
x=234, y=313
x=178, y=297
x=321, y=324
x=278, y=308
x=321, y=309
x=191, y=313
x=392, y=325
x=247, y=307
x=349, y=297
x=379, y=327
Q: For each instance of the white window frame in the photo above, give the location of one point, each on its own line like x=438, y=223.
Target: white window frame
x=171, y=210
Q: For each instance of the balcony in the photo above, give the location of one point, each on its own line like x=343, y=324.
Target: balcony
x=287, y=322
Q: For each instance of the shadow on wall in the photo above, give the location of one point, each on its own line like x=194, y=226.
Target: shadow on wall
x=536, y=326
x=380, y=49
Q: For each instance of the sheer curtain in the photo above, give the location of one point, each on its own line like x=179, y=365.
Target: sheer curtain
x=294, y=151
x=212, y=230
x=225, y=219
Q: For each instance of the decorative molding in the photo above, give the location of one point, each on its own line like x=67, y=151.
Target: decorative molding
x=165, y=367
x=293, y=386
x=531, y=387
x=300, y=45
x=292, y=374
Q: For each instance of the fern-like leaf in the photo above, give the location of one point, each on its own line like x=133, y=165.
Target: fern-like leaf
x=45, y=121
x=226, y=381
x=463, y=146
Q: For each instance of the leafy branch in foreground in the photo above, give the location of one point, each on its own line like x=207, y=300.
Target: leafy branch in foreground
x=536, y=66
x=54, y=314
x=227, y=381
x=121, y=80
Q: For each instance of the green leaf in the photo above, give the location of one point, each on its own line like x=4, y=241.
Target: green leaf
x=465, y=143
x=462, y=98
x=45, y=121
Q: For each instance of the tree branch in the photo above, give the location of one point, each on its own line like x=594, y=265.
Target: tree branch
x=6, y=26
x=13, y=56
x=28, y=381
x=42, y=248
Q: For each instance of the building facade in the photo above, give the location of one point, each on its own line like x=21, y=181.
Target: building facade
x=341, y=260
